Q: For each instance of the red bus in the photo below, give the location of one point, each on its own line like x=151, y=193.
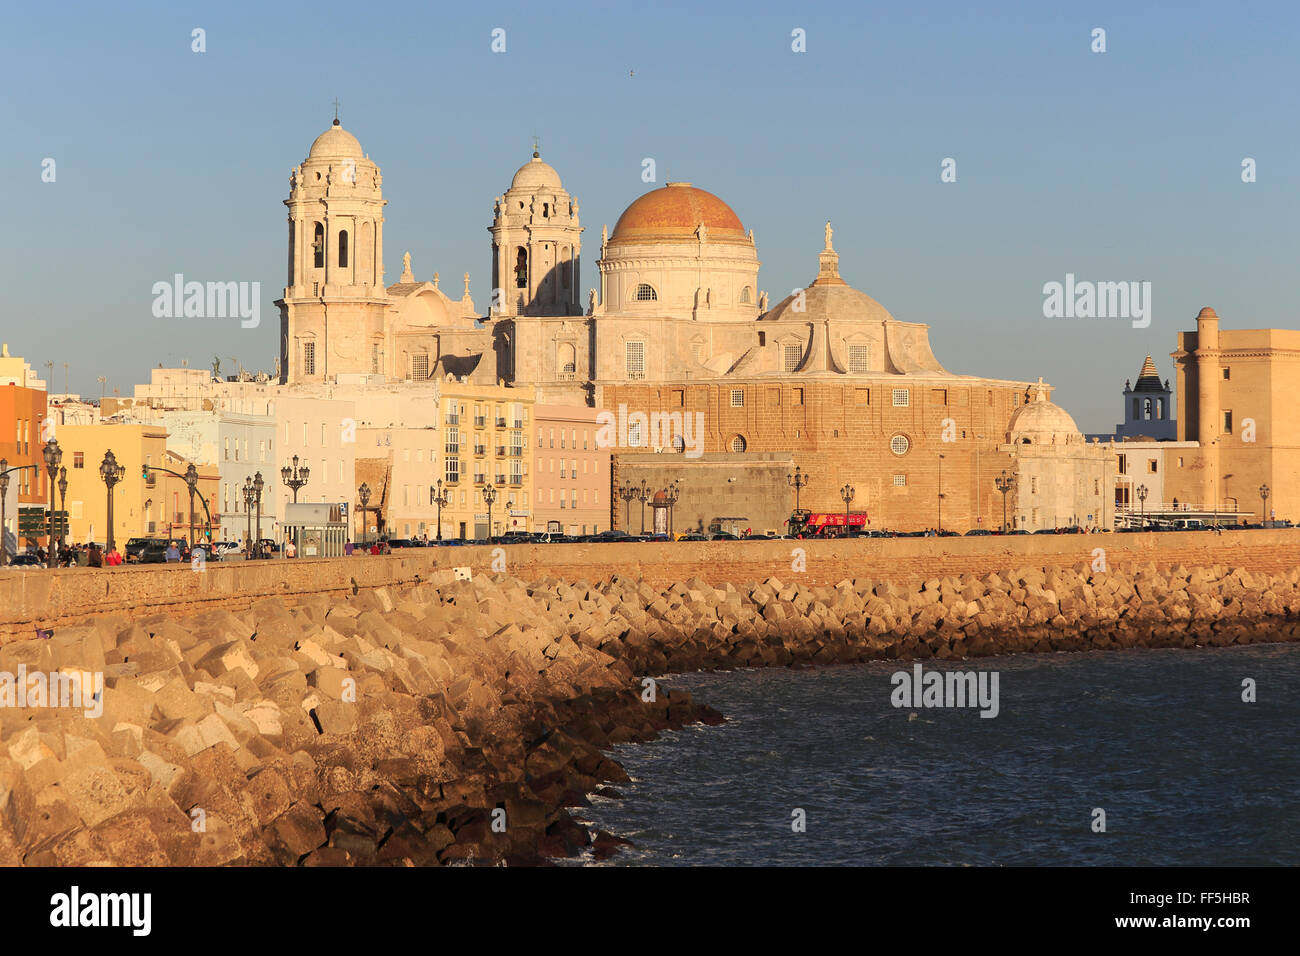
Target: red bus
x=826, y=524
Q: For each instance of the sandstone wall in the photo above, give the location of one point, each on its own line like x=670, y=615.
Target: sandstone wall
x=31, y=598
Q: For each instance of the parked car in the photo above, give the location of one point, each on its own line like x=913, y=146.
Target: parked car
x=136, y=546
x=153, y=552
x=26, y=560
x=398, y=543
x=978, y=532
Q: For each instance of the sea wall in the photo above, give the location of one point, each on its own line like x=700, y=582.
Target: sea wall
x=42, y=598
x=456, y=720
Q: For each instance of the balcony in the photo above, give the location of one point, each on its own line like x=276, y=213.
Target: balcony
x=453, y=419
x=501, y=423
x=480, y=421
x=501, y=479
x=501, y=451
x=519, y=423
x=516, y=480
x=480, y=450
x=516, y=452
x=479, y=478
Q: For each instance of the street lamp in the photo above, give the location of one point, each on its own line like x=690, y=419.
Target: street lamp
x=643, y=495
x=627, y=493
x=490, y=496
x=941, y=494
x=192, y=482
x=1004, y=483
x=258, y=485
x=112, y=473
x=364, y=494
x=798, y=481
x=53, y=456
x=671, y=494
x=1142, y=497
x=248, y=514
x=440, y=499
x=847, y=493
x=1263, y=506
x=294, y=477
x=4, y=490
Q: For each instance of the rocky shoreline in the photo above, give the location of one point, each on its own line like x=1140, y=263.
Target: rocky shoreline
x=458, y=721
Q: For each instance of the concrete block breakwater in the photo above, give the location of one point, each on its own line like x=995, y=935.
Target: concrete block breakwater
x=455, y=720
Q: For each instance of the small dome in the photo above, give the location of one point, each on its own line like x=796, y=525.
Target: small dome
x=1042, y=422
x=1207, y=313
x=830, y=302
x=536, y=174
x=674, y=213
x=336, y=143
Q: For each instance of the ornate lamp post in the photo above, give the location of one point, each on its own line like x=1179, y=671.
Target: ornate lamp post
x=1004, y=483
x=248, y=514
x=112, y=473
x=1142, y=498
x=440, y=499
x=848, y=493
x=364, y=494
x=798, y=481
x=671, y=494
x=489, y=496
x=1263, y=505
x=4, y=491
x=627, y=493
x=258, y=485
x=63, y=505
x=53, y=456
x=941, y=494
x=294, y=477
x=192, y=483
x=643, y=495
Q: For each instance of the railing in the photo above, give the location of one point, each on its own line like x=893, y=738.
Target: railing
x=480, y=421
x=501, y=479
x=479, y=478
x=516, y=452
x=501, y=451
x=480, y=450
x=516, y=480
x=501, y=423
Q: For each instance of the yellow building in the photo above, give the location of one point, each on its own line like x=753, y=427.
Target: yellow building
x=153, y=506
x=485, y=444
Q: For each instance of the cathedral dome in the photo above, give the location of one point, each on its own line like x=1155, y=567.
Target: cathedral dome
x=830, y=302
x=675, y=212
x=336, y=143
x=536, y=174
x=1042, y=422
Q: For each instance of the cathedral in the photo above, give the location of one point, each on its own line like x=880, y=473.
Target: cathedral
x=826, y=379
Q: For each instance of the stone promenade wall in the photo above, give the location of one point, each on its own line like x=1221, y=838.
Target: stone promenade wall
x=43, y=598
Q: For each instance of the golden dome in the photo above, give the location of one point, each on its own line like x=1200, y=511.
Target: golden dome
x=336, y=143
x=675, y=212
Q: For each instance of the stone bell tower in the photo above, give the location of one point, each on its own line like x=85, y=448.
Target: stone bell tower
x=536, y=246
x=332, y=313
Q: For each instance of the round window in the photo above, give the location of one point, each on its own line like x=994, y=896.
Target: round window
x=899, y=444
x=738, y=443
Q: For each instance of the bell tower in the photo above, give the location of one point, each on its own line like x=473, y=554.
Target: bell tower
x=332, y=312
x=536, y=246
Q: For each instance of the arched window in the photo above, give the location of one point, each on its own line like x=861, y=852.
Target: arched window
x=567, y=358
x=1137, y=408
x=646, y=293
x=745, y=296
x=738, y=443
x=521, y=268
x=1146, y=409
x=343, y=250
x=546, y=210
x=318, y=246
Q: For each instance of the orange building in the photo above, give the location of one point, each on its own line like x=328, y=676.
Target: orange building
x=22, y=410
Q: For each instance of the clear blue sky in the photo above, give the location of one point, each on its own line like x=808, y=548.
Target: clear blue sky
x=1115, y=166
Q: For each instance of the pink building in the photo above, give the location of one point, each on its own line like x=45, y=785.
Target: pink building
x=571, y=475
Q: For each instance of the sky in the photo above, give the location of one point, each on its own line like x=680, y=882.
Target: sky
x=1115, y=166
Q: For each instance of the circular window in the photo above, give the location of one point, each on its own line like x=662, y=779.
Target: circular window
x=679, y=444
x=899, y=444
x=738, y=443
